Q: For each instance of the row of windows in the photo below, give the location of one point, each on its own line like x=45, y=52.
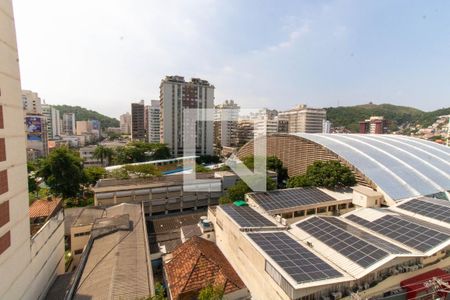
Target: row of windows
x=318, y=210
x=82, y=233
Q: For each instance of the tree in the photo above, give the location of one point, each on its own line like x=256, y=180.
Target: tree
x=32, y=184
x=93, y=174
x=141, y=152
x=63, y=172
x=211, y=293
x=102, y=153
x=143, y=171
x=330, y=174
x=273, y=163
x=238, y=191
x=160, y=293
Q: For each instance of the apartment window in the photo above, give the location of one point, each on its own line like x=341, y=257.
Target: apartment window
x=1, y=117
x=3, y=182
x=2, y=150
x=79, y=251
x=5, y=242
x=310, y=211
x=4, y=213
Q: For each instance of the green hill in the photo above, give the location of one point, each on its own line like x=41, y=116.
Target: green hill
x=349, y=116
x=83, y=114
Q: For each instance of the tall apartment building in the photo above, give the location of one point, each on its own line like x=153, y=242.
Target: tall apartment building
x=31, y=102
x=245, y=131
x=53, y=121
x=374, y=125
x=69, y=125
x=225, y=124
x=125, y=123
x=305, y=119
x=270, y=126
x=138, y=132
x=176, y=94
x=28, y=263
x=153, y=115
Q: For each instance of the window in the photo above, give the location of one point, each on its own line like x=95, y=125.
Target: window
x=1, y=117
x=3, y=181
x=299, y=213
x=79, y=251
x=351, y=205
x=310, y=211
x=82, y=233
x=342, y=206
x=286, y=215
x=332, y=208
x=2, y=150
x=321, y=210
x=5, y=242
x=4, y=213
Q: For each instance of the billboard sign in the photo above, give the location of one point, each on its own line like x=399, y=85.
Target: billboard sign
x=34, y=128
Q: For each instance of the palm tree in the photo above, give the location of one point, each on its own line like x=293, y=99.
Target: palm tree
x=102, y=153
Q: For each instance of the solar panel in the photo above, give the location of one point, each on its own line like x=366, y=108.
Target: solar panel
x=351, y=246
x=405, y=231
x=433, y=208
x=246, y=216
x=370, y=238
x=289, y=198
x=297, y=261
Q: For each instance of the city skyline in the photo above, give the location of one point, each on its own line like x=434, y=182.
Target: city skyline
x=318, y=53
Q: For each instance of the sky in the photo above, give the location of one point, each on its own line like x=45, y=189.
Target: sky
x=105, y=54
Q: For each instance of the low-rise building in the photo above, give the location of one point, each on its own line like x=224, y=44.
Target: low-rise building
x=87, y=154
x=116, y=262
x=197, y=264
x=368, y=250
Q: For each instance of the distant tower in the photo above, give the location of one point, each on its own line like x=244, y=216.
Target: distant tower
x=138, y=121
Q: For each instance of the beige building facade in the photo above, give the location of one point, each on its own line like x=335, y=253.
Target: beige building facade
x=28, y=264
x=304, y=119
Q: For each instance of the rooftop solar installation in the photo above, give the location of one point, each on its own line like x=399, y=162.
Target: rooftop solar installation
x=354, y=248
x=370, y=238
x=405, y=231
x=245, y=216
x=297, y=261
x=288, y=198
x=433, y=208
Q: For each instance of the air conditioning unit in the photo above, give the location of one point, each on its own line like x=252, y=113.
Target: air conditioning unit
x=278, y=218
x=283, y=222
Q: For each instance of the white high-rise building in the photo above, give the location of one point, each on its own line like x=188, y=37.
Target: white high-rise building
x=225, y=124
x=177, y=94
x=304, y=119
x=125, y=123
x=68, y=121
x=153, y=115
x=29, y=261
x=53, y=120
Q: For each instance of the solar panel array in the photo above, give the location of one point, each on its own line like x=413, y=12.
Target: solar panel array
x=407, y=232
x=354, y=248
x=245, y=216
x=433, y=208
x=288, y=198
x=297, y=261
x=370, y=238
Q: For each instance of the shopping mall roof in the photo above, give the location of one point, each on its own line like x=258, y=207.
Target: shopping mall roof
x=402, y=167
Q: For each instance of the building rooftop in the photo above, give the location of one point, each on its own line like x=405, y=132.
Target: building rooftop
x=402, y=167
x=88, y=215
x=117, y=264
x=44, y=207
x=430, y=209
x=196, y=264
x=247, y=217
x=189, y=231
x=280, y=200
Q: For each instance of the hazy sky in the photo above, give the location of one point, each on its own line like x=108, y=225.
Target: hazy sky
x=104, y=54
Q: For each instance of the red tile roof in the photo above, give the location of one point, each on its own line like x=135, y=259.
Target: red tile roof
x=197, y=264
x=43, y=207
